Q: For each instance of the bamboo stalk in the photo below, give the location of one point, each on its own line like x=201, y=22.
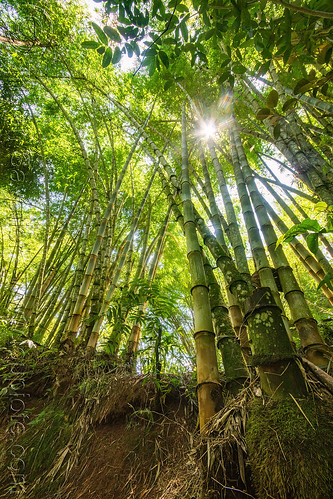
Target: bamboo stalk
x=97, y=325
x=312, y=101
x=76, y=317
x=322, y=260
x=233, y=229
x=208, y=388
x=301, y=315
x=302, y=253
x=235, y=368
x=134, y=337
x=235, y=311
x=299, y=208
x=287, y=144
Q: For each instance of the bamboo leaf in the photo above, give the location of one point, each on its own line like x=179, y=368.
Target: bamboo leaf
x=123, y=20
x=90, y=44
x=263, y=113
x=328, y=281
x=239, y=69
x=182, y=8
x=272, y=99
x=329, y=225
x=184, y=30
x=277, y=131
x=129, y=50
x=112, y=34
x=107, y=58
x=309, y=224
x=224, y=76
x=116, y=56
x=136, y=48
x=321, y=206
x=312, y=242
x=168, y=84
x=164, y=58
x=312, y=74
x=325, y=54
x=289, y=104
x=301, y=228
x=280, y=240
x=99, y=33
x=302, y=86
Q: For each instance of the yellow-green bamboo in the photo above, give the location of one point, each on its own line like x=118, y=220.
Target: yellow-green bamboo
x=208, y=388
x=235, y=368
x=97, y=325
x=305, y=324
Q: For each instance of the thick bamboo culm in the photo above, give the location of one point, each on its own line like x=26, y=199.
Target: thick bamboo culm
x=233, y=228
x=215, y=212
x=235, y=311
x=302, y=253
x=208, y=387
x=235, y=368
x=234, y=280
x=261, y=261
x=306, y=326
x=274, y=355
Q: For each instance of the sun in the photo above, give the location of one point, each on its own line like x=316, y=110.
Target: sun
x=207, y=129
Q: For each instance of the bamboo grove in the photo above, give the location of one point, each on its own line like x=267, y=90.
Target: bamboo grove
x=129, y=183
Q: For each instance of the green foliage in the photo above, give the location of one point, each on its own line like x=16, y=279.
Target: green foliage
x=313, y=229
x=203, y=49
x=44, y=436
x=19, y=161
x=9, y=338
x=260, y=28
x=112, y=34
x=272, y=99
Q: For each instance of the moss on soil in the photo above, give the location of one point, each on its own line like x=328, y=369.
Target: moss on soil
x=290, y=451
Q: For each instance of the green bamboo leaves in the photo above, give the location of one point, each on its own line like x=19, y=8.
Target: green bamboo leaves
x=308, y=225
x=99, y=32
x=272, y=99
x=269, y=112
x=314, y=83
x=104, y=36
x=90, y=44
x=312, y=229
x=116, y=56
x=107, y=58
x=112, y=34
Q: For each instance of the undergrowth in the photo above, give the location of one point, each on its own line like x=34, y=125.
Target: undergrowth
x=280, y=450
